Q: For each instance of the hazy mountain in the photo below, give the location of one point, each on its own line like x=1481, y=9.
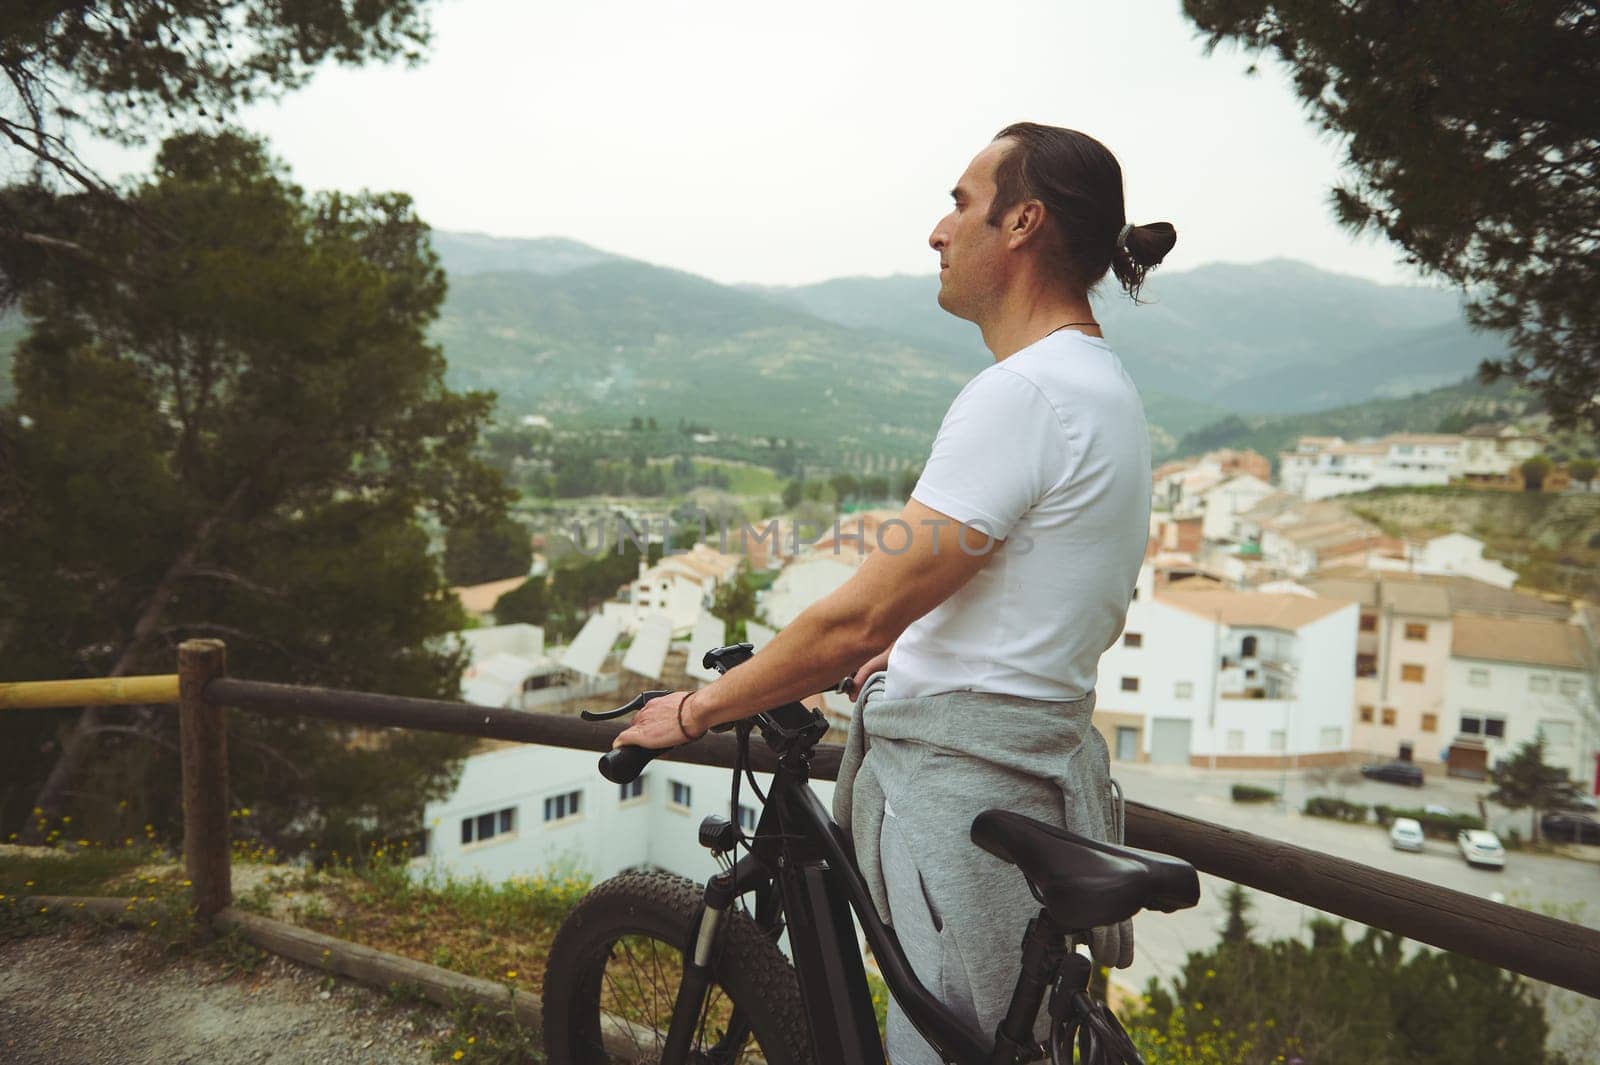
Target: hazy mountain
x=476, y=253
x=605, y=342
x=1272, y=336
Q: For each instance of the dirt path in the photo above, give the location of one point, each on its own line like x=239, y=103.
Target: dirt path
x=70, y=997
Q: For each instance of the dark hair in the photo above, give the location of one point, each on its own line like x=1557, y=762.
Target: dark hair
x=1080, y=184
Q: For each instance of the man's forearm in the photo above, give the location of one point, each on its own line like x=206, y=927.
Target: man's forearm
x=808, y=656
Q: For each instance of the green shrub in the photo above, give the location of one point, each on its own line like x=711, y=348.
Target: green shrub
x=1251, y=793
x=1338, y=809
x=1434, y=826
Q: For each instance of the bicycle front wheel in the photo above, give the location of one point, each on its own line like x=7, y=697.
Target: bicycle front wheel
x=614, y=970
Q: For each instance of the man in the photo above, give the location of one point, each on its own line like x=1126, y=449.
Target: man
x=1026, y=531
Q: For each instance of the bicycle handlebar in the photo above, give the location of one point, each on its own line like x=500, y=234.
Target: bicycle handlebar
x=620, y=765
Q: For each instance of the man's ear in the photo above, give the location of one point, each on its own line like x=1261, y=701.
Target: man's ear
x=1026, y=222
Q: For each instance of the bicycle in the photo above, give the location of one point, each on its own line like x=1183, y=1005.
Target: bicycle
x=654, y=967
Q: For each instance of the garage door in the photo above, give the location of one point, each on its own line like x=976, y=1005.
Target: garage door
x=1169, y=740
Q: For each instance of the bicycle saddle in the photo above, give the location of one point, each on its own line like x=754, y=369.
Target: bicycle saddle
x=1082, y=882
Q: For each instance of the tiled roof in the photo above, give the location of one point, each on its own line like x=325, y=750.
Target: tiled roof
x=1466, y=594
x=1525, y=641
x=481, y=598
x=1255, y=609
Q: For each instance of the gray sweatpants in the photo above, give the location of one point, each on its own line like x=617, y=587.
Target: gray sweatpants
x=959, y=912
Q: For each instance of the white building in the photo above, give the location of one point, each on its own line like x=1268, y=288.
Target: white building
x=804, y=581
x=1225, y=504
x=523, y=809
x=679, y=586
x=1228, y=679
x=1454, y=554
x=1513, y=676
x=1321, y=467
x=509, y=669
x=1493, y=453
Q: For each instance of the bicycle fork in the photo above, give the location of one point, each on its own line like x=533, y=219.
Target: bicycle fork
x=721, y=890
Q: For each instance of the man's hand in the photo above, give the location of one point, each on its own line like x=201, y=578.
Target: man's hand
x=656, y=725
x=877, y=662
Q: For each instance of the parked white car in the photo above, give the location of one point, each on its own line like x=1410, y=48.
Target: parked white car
x=1406, y=834
x=1481, y=847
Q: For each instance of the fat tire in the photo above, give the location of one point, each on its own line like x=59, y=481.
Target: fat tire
x=747, y=966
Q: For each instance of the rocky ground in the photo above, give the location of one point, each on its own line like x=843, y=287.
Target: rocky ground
x=74, y=996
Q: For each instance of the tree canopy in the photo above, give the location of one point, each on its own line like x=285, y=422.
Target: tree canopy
x=1335, y=1001
x=1522, y=780
x=234, y=430
x=129, y=71
x=1473, y=143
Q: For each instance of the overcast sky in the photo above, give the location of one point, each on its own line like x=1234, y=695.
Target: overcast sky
x=791, y=143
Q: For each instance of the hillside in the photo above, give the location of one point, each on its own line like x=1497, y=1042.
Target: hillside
x=868, y=365
x=1552, y=541
x=604, y=342
x=1463, y=403
x=1277, y=336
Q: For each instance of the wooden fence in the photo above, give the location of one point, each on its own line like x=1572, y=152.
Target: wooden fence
x=1544, y=948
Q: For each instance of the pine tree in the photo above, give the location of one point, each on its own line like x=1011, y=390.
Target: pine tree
x=1469, y=132
x=234, y=431
x=1524, y=781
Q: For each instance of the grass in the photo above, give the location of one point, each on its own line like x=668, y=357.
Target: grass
x=743, y=479
x=498, y=931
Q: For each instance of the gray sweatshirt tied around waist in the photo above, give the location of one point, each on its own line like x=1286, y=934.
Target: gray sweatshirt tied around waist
x=1008, y=746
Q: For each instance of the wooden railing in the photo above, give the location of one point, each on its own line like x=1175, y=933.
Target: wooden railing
x=1544, y=948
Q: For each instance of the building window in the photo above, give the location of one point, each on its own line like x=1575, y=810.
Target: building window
x=1133, y=639
x=1236, y=739
x=1369, y=623
x=1277, y=740
x=681, y=794
x=1430, y=722
x=1183, y=689
x=1247, y=648
x=560, y=807
x=1471, y=725
x=1388, y=715
x=631, y=790
x=1412, y=673
x=1416, y=630
x=1366, y=715
x=1494, y=728
x=1571, y=686
x=1478, y=678
x=1130, y=684
x=1366, y=665
x=1330, y=737
x=747, y=817
x=1539, y=682
x=1557, y=733
x=488, y=826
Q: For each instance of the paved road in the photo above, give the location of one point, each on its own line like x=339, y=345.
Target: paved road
x=1566, y=887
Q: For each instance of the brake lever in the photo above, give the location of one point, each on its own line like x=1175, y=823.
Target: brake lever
x=635, y=704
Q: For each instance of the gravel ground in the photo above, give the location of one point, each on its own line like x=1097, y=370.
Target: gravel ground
x=70, y=997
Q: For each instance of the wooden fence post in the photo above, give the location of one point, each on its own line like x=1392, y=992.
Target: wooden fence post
x=206, y=846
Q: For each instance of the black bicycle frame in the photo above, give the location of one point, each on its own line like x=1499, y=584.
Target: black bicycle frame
x=799, y=849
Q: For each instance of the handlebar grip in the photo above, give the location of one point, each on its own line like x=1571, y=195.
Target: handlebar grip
x=626, y=763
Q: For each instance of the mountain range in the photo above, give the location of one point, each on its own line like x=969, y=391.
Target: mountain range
x=560, y=328
x=868, y=365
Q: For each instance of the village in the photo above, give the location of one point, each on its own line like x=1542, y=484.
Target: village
x=1273, y=634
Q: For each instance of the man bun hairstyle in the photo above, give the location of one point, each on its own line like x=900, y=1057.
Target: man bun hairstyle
x=1080, y=184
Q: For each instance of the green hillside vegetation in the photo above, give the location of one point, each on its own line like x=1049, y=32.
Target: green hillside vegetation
x=599, y=345
x=1551, y=540
x=1449, y=409
x=1274, y=336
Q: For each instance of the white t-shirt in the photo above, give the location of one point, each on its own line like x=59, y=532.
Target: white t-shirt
x=1047, y=450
